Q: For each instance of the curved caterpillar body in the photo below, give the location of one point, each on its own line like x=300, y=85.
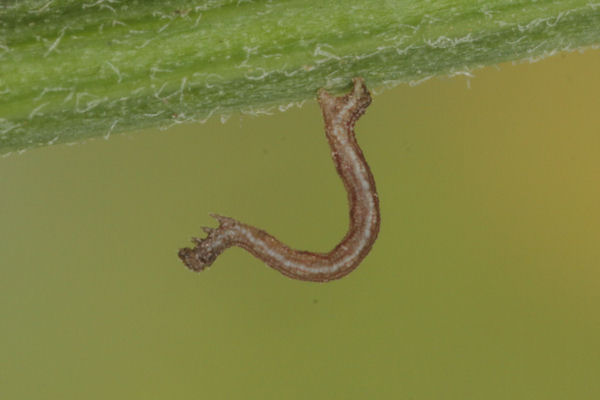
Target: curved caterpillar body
x=340, y=115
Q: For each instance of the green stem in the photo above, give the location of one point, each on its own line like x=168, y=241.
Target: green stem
x=76, y=69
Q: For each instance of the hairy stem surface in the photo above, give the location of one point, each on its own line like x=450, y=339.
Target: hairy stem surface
x=76, y=69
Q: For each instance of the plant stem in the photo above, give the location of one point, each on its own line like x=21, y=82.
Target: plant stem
x=76, y=69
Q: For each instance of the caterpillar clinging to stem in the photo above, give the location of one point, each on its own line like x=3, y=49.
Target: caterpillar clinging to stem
x=340, y=114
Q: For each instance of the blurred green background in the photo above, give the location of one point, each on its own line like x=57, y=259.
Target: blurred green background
x=484, y=283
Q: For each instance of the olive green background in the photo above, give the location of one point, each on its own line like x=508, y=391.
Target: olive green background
x=484, y=283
